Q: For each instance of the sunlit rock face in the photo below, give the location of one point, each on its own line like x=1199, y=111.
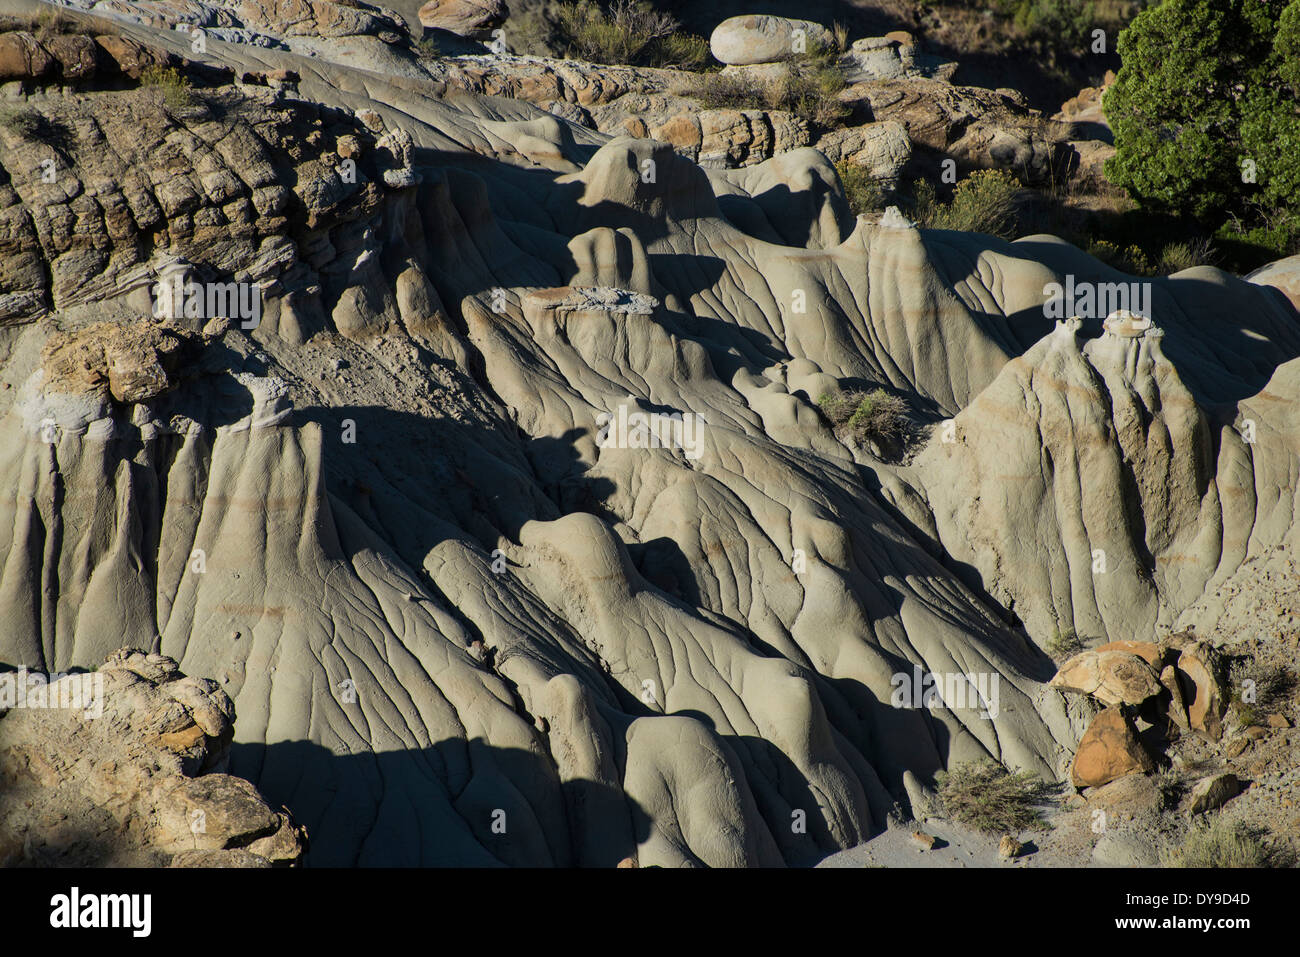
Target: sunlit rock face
x=510, y=520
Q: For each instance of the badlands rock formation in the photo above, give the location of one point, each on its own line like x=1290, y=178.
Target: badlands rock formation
x=463, y=617
x=898, y=96
x=131, y=774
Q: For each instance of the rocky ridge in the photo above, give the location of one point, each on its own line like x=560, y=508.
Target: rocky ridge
x=381, y=518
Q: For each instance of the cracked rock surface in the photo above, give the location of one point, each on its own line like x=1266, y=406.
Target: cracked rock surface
x=460, y=629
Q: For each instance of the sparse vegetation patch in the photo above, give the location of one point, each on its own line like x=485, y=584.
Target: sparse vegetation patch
x=1217, y=845
x=868, y=417
x=626, y=32
x=987, y=201
x=863, y=192
x=987, y=797
x=173, y=85
x=1065, y=643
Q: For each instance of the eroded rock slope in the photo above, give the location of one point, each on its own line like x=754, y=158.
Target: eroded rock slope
x=460, y=626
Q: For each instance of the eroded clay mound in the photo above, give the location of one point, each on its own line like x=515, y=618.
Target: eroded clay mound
x=513, y=528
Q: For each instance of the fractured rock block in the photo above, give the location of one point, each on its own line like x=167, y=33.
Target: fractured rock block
x=1112, y=677
x=466, y=18
x=1109, y=749
x=1200, y=666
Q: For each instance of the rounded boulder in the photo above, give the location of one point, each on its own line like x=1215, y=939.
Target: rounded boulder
x=757, y=38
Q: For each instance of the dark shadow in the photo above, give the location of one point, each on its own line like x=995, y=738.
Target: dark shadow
x=457, y=803
x=780, y=789
x=1034, y=662
x=448, y=43
x=1155, y=738
x=470, y=804
x=78, y=846
x=662, y=563
x=787, y=218
x=1089, y=130
x=558, y=467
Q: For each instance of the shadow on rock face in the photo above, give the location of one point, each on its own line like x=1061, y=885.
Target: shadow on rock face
x=458, y=803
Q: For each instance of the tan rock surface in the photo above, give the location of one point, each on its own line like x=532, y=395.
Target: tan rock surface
x=127, y=770
x=760, y=38
x=468, y=18
x=387, y=524
x=1112, y=677
x=1109, y=749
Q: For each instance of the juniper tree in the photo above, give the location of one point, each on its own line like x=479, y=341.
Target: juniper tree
x=1206, y=109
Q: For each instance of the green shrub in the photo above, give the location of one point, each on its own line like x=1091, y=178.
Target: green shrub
x=1067, y=22
x=1171, y=785
x=173, y=84
x=1203, y=112
x=1218, y=845
x=1274, y=684
x=841, y=33
x=863, y=417
x=987, y=797
x=684, y=51
x=36, y=127
x=53, y=23
x=837, y=406
x=1248, y=713
x=862, y=190
x=49, y=23
x=425, y=47
x=1256, y=245
x=811, y=91
x=630, y=32
x=27, y=123
x=1176, y=257
x=880, y=417
x=1272, y=687
x=1131, y=259
x=922, y=202
x=987, y=201
x=729, y=91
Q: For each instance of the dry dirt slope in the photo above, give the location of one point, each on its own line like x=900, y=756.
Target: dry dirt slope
x=455, y=629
